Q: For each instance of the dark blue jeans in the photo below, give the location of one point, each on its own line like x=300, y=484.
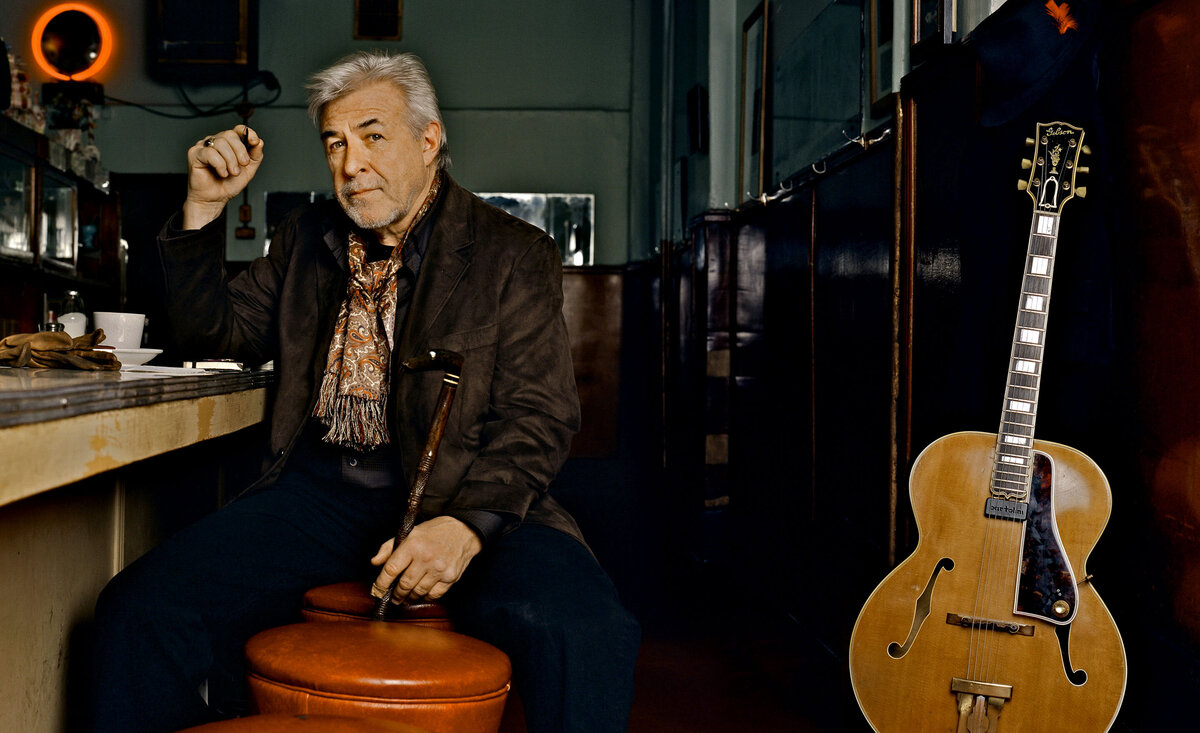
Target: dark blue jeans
x=180, y=615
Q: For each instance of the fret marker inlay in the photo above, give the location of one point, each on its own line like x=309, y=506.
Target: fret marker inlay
x=1027, y=367
x=1029, y=336
x=1020, y=406
x=1040, y=265
x=1035, y=303
x=1045, y=225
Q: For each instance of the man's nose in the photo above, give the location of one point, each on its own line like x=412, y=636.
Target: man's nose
x=355, y=160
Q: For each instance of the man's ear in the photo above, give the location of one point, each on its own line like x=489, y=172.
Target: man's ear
x=431, y=141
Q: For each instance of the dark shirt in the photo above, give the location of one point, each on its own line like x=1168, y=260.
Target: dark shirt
x=383, y=464
x=380, y=467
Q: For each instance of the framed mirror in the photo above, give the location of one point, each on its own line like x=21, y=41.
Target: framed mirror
x=753, y=104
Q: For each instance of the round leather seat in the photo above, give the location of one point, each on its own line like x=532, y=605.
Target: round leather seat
x=353, y=601
x=305, y=724
x=431, y=678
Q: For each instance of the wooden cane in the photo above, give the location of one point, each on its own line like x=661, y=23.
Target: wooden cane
x=451, y=364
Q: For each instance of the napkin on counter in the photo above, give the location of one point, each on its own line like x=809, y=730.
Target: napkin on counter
x=56, y=349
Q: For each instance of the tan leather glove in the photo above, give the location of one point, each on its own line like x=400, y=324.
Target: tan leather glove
x=55, y=349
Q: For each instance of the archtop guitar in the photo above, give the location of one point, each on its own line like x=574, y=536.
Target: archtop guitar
x=993, y=625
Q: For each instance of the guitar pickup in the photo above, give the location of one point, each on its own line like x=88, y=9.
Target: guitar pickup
x=1005, y=509
x=985, y=624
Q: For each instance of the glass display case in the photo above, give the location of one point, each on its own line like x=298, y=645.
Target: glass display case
x=16, y=203
x=58, y=233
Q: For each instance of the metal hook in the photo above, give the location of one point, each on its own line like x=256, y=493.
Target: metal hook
x=819, y=171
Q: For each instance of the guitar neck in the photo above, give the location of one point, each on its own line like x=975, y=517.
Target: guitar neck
x=1014, y=446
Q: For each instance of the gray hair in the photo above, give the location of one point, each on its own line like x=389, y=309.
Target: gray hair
x=404, y=70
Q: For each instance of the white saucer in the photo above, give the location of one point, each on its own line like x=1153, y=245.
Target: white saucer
x=134, y=357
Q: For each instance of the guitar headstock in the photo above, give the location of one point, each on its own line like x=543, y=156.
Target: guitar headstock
x=1054, y=166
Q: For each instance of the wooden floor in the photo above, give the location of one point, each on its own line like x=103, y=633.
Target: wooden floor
x=733, y=667
x=698, y=685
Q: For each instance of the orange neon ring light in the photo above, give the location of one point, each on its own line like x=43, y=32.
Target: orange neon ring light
x=106, y=41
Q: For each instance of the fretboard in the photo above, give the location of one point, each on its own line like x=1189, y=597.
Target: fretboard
x=1014, y=445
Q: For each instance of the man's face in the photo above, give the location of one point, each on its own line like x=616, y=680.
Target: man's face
x=381, y=173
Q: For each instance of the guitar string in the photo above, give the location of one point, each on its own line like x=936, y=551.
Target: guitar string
x=998, y=578
x=1010, y=580
x=984, y=653
x=980, y=588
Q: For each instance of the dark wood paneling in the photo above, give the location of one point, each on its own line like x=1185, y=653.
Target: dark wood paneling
x=592, y=306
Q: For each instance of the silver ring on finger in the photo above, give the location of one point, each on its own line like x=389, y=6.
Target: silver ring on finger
x=208, y=142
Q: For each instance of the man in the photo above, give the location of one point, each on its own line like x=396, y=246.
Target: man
x=404, y=261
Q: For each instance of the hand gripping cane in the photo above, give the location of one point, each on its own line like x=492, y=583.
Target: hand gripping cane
x=451, y=364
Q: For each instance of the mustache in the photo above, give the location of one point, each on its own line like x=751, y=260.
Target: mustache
x=349, y=189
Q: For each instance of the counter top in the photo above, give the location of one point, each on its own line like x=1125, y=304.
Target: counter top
x=37, y=395
x=92, y=422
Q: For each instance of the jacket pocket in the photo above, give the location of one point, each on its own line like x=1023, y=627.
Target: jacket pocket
x=464, y=341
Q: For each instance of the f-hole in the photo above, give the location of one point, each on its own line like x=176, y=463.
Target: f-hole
x=1076, y=677
x=920, y=611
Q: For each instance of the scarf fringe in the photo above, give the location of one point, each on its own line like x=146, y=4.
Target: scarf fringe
x=353, y=422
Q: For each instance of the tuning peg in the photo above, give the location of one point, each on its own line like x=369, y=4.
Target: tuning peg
x=1086, y=150
x=1029, y=141
x=1081, y=191
x=1026, y=164
x=1083, y=169
x=1022, y=185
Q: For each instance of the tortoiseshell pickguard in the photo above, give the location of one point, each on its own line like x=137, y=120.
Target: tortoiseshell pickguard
x=1046, y=576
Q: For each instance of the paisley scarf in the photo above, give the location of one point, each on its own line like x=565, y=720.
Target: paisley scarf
x=353, y=399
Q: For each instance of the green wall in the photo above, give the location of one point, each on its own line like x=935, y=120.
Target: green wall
x=538, y=95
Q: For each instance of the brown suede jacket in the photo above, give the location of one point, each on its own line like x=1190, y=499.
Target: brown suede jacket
x=489, y=287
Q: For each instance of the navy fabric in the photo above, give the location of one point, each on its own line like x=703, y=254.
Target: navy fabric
x=180, y=615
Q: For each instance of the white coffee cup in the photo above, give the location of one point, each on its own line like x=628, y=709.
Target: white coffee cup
x=121, y=330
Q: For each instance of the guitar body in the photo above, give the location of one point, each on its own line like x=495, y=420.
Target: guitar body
x=1059, y=677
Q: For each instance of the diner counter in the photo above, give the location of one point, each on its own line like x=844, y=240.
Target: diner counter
x=58, y=426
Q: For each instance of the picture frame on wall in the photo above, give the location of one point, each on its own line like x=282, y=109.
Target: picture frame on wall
x=933, y=25
x=753, y=148
x=880, y=25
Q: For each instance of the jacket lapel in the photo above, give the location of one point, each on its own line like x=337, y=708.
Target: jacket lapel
x=442, y=269
x=330, y=286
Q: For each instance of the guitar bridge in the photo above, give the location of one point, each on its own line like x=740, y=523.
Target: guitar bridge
x=967, y=622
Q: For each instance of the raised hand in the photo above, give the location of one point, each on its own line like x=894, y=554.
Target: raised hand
x=219, y=168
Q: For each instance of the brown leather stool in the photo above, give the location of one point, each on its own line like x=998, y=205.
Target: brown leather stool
x=353, y=601
x=305, y=724
x=432, y=678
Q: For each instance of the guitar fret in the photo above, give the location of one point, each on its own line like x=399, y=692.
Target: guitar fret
x=1025, y=381
x=1016, y=484
x=1025, y=366
x=1014, y=468
x=1037, y=286
x=1042, y=244
x=1022, y=394
x=1015, y=429
x=1032, y=319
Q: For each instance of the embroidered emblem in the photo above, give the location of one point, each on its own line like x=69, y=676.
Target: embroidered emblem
x=1062, y=16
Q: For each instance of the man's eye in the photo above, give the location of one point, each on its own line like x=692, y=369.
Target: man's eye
x=375, y=137
x=336, y=145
